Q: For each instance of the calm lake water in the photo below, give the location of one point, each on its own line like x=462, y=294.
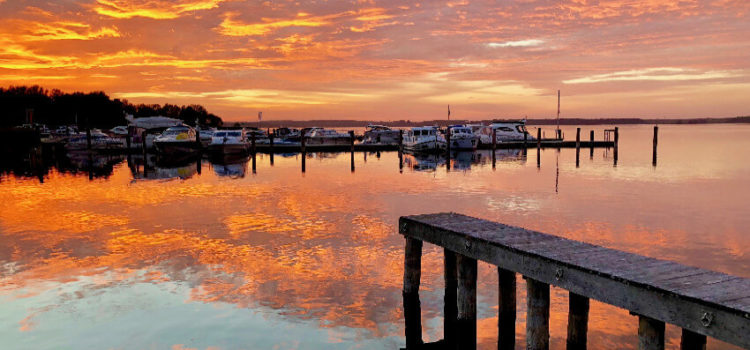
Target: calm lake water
x=202, y=255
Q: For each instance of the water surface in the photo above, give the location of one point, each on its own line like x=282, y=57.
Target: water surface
x=104, y=253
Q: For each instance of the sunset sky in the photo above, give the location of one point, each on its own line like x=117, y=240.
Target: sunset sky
x=385, y=60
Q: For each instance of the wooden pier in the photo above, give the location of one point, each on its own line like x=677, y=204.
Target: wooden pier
x=701, y=302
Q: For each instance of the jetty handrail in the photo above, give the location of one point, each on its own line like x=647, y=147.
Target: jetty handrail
x=701, y=302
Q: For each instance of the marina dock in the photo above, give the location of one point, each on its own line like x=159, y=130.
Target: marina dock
x=702, y=302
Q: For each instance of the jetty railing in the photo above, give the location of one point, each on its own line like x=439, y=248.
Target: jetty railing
x=701, y=302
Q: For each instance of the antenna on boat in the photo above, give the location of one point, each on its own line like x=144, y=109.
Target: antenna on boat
x=449, y=113
x=558, y=112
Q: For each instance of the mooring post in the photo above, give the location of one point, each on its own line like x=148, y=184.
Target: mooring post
x=650, y=333
x=400, y=141
x=537, y=318
x=302, y=141
x=591, y=145
x=692, y=341
x=656, y=141
x=494, y=140
x=578, y=147
x=351, y=141
x=466, y=322
x=144, y=134
x=448, y=142
x=88, y=138
x=578, y=320
x=304, y=155
x=412, y=308
x=128, y=139
x=525, y=138
x=253, y=162
x=506, y=322
x=539, y=147
x=270, y=144
x=450, y=310
x=198, y=143
x=252, y=144
x=617, y=142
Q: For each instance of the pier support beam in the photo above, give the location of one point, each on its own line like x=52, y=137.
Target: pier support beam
x=656, y=141
x=578, y=147
x=539, y=147
x=650, y=333
x=412, y=307
x=692, y=341
x=591, y=148
x=506, y=322
x=466, y=321
x=450, y=310
x=578, y=320
x=537, y=319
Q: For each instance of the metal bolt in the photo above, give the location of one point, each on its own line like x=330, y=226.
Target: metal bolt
x=468, y=244
x=559, y=274
x=707, y=319
x=403, y=227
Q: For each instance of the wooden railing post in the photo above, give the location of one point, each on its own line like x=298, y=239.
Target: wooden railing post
x=537, y=318
x=650, y=334
x=450, y=311
x=578, y=320
x=692, y=341
x=412, y=307
x=506, y=323
x=467, y=303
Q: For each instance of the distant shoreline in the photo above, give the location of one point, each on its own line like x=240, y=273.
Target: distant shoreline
x=563, y=121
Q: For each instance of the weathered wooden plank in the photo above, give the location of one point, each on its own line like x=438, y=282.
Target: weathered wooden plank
x=412, y=307
x=578, y=321
x=537, y=317
x=650, y=334
x=450, y=310
x=627, y=289
x=506, y=322
x=466, y=320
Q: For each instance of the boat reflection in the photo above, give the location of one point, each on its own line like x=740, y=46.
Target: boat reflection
x=151, y=167
x=233, y=167
x=464, y=160
x=37, y=163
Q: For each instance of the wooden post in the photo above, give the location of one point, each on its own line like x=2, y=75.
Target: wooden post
x=88, y=139
x=494, y=140
x=578, y=147
x=448, y=142
x=591, y=145
x=539, y=148
x=270, y=144
x=525, y=138
x=578, y=319
x=692, y=341
x=351, y=140
x=467, y=303
x=304, y=156
x=650, y=333
x=656, y=141
x=400, y=141
x=302, y=142
x=198, y=139
x=506, y=323
x=128, y=139
x=617, y=141
x=450, y=310
x=254, y=161
x=537, y=318
x=144, y=134
x=252, y=144
x=412, y=308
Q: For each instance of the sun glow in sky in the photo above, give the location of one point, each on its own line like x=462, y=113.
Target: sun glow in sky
x=384, y=60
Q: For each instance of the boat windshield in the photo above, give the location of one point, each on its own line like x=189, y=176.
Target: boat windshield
x=220, y=134
x=175, y=131
x=234, y=134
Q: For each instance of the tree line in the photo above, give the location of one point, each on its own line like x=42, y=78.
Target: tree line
x=93, y=109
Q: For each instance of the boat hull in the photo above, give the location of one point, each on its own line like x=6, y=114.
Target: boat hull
x=425, y=146
x=464, y=143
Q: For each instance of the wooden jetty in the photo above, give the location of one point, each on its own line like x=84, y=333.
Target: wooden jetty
x=701, y=302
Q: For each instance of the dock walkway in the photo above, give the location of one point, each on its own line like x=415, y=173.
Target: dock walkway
x=701, y=302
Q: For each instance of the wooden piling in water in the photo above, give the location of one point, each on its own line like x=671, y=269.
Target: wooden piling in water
x=692, y=341
x=539, y=147
x=450, y=309
x=466, y=320
x=591, y=145
x=578, y=147
x=302, y=142
x=506, y=322
x=494, y=140
x=351, y=140
x=88, y=139
x=578, y=320
x=650, y=333
x=448, y=142
x=656, y=141
x=537, y=319
x=252, y=144
x=412, y=307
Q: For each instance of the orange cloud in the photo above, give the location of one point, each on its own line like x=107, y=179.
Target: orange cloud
x=155, y=9
x=231, y=27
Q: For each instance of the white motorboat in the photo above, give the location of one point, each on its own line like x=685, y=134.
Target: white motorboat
x=380, y=135
x=326, y=137
x=424, y=139
x=511, y=130
x=462, y=138
x=229, y=142
x=99, y=141
x=177, y=140
x=261, y=137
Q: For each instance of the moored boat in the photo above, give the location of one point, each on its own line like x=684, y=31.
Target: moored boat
x=511, y=130
x=424, y=139
x=326, y=137
x=99, y=142
x=380, y=135
x=462, y=138
x=229, y=142
x=177, y=140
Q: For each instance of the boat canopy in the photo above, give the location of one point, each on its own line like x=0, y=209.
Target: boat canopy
x=154, y=122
